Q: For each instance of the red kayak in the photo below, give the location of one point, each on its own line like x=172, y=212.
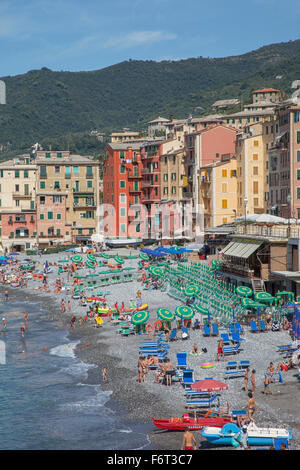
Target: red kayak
x=195, y=424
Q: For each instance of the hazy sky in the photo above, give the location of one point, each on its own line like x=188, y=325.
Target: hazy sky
x=92, y=34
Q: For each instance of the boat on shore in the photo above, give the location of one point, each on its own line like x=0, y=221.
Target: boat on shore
x=257, y=436
x=194, y=421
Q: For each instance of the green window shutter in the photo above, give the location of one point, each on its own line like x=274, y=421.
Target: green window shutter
x=25, y=173
x=89, y=184
x=58, y=231
x=68, y=172
x=41, y=216
x=122, y=168
x=298, y=174
x=26, y=189
x=89, y=171
x=298, y=155
x=122, y=183
x=31, y=204
x=75, y=170
x=17, y=174
x=59, y=155
x=42, y=185
x=56, y=184
x=58, y=216
x=80, y=231
x=43, y=171
x=91, y=231
x=50, y=215
x=136, y=186
x=1, y=173
x=48, y=155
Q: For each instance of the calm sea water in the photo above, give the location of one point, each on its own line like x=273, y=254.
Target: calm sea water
x=44, y=403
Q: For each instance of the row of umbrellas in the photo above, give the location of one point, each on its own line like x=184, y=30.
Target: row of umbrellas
x=182, y=311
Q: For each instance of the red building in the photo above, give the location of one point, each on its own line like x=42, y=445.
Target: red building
x=20, y=226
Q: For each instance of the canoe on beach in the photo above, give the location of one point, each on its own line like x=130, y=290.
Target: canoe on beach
x=205, y=418
x=103, y=311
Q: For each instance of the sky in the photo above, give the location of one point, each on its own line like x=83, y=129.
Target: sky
x=77, y=35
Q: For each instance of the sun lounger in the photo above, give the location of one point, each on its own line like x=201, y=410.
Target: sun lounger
x=234, y=373
x=235, y=337
x=173, y=335
x=206, y=330
x=226, y=339
x=231, y=365
x=244, y=364
x=262, y=325
x=215, y=329
x=278, y=441
x=213, y=401
x=231, y=349
x=188, y=377
x=181, y=360
x=238, y=327
x=253, y=326
x=185, y=333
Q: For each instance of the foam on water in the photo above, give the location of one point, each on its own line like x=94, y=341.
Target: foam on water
x=65, y=350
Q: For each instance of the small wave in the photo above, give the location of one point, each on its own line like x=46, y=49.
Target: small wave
x=98, y=401
x=64, y=350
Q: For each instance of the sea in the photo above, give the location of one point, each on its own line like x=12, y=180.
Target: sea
x=45, y=402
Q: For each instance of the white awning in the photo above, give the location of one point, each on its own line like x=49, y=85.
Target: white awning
x=241, y=249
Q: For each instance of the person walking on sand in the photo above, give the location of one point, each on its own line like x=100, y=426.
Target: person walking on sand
x=220, y=350
x=72, y=321
x=63, y=306
x=6, y=295
x=26, y=320
x=188, y=441
x=104, y=374
x=253, y=386
x=267, y=384
x=246, y=379
x=252, y=407
x=69, y=306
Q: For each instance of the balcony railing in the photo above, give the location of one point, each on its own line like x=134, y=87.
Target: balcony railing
x=17, y=195
x=269, y=230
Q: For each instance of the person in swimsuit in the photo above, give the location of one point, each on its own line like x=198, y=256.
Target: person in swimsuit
x=26, y=320
x=188, y=441
x=220, y=349
x=252, y=407
x=253, y=386
x=246, y=379
x=168, y=371
x=267, y=385
x=22, y=330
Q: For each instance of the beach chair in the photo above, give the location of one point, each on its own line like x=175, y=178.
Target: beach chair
x=244, y=364
x=231, y=349
x=235, y=337
x=278, y=441
x=188, y=377
x=238, y=327
x=231, y=365
x=206, y=330
x=215, y=329
x=232, y=374
x=125, y=332
x=181, y=360
x=173, y=335
x=253, y=326
x=262, y=325
x=185, y=331
x=226, y=339
x=208, y=403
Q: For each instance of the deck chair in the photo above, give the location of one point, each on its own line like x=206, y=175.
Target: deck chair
x=262, y=325
x=185, y=331
x=235, y=337
x=244, y=364
x=226, y=339
x=173, y=335
x=215, y=329
x=181, y=360
x=188, y=377
x=232, y=374
x=253, y=326
x=206, y=330
x=212, y=401
x=232, y=349
x=231, y=365
x=238, y=327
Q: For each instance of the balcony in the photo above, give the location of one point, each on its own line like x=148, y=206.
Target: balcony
x=148, y=184
x=82, y=205
x=132, y=176
x=51, y=236
x=187, y=195
x=17, y=195
x=134, y=191
x=149, y=171
x=89, y=191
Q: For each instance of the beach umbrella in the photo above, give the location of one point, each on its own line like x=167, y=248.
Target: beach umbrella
x=144, y=256
x=244, y=291
x=119, y=260
x=191, y=290
x=140, y=317
x=201, y=309
x=209, y=385
x=76, y=259
x=104, y=255
x=184, y=312
x=165, y=314
x=91, y=257
x=264, y=297
x=159, y=272
x=90, y=265
x=63, y=261
x=78, y=276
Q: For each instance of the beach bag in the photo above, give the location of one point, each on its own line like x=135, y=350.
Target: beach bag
x=235, y=441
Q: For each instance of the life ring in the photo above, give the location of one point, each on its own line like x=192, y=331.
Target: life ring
x=157, y=324
x=149, y=327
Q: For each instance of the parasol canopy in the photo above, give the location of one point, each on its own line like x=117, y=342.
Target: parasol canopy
x=191, y=290
x=140, y=317
x=104, y=255
x=209, y=385
x=159, y=272
x=165, y=314
x=76, y=259
x=90, y=264
x=118, y=259
x=144, y=256
x=264, y=297
x=201, y=309
x=244, y=291
x=91, y=257
x=62, y=261
x=184, y=312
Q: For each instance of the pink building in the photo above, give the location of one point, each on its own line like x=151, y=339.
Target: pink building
x=51, y=218
x=19, y=227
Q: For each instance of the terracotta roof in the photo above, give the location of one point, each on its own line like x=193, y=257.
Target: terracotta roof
x=265, y=90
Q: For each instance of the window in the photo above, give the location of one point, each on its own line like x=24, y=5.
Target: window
x=43, y=171
x=17, y=203
x=17, y=174
x=255, y=156
x=165, y=176
x=255, y=187
x=173, y=190
x=255, y=143
x=136, y=185
x=122, y=184
x=75, y=170
x=298, y=193
x=224, y=188
x=173, y=176
x=48, y=154
x=298, y=137
x=42, y=185
x=255, y=201
x=58, y=216
x=56, y=185
x=298, y=155
x=17, y=188
x=67, y=172
x=165, y=190
x=26, y=189
x=255, y=170
x=50, y=215
x=41, y=216
x=224, y=203
x=217, y=155
x=57, y=169
x=298, y=174
x=57, y=199
x=123, y=198
x=59, y=154
x=224, y=173
x=224, y=220
x=122, y=169
x=123, y=212
x=25, y=173
x=90, y=184
x=123, y=228
x=58, y=231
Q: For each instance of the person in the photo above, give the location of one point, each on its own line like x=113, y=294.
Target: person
x=104, y=374
x=286, y=324
x=168, y=372
x=267, y=384
x=6, y=295
x=69, y=306
x=220, y=349
x=246, y=379
x=188, y=441
x=242, y=438
x=109, y=314
x=22, y=330
x=72, y=321
x=140, y=370
x=159, y=376
x=3, y=325
x=167, y=332
x=252, y=407
x=283, y=446
x=26, y=320
x=253, y=387
x=195, y=350
x=285, y=365
x=63, y=307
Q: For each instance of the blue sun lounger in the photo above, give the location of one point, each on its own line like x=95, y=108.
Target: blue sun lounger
x=231, y=349
x=181, y=360
x=215, y=329
x=206, y=330
x=225, y=337
x=253, y=326
x=235, y=337
x=188, y=377
x=262, y=325
x=213, y=401
x=173, y=335
x=234, y=373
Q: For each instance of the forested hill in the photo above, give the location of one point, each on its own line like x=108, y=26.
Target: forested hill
x=47, y=104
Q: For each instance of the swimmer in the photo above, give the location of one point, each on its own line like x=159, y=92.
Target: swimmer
x=26, y=320
x=22, y=330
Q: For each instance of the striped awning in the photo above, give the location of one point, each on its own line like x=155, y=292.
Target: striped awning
x=241, y=249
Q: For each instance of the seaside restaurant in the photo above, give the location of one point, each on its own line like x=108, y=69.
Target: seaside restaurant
x=251, y=261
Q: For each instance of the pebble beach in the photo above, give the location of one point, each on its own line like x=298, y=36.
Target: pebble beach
x=103, y=346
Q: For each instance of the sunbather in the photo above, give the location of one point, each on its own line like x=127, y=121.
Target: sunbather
x=160, y=374
x=285, y=365
x=168, y=372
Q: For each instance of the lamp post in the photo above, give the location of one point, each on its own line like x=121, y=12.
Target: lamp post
x=288, y=200
x=245, y=202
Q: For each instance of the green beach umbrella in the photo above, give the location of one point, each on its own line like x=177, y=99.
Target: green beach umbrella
x=79, y=276
x=184, y=312
x=144, y=256
x=119, y=260
x=91, y=257
x=140, y=317
x=90, y=265
x=264, y=297
x=159, y=272
x=104, y=255
x=244, y=291
x=201, y=309
x=63, y=261
x=165, y=314
x=191, y=290
x=76, y=259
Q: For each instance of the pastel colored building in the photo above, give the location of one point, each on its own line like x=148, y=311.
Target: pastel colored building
x=266, y=94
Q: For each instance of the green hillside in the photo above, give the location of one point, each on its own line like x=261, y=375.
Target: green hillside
x=43, y=104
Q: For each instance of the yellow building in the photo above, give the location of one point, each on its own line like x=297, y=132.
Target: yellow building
x=172, y=175
x=67, y=184
x=218, y=192
x=252, y=169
